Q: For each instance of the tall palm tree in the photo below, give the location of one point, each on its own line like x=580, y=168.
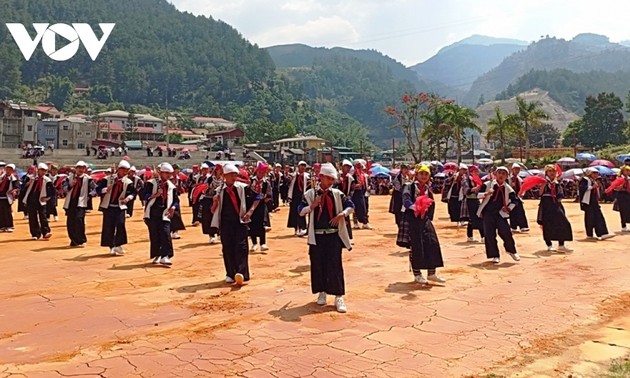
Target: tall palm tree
x=461, y=119
x=501, y=126
x=529, y=114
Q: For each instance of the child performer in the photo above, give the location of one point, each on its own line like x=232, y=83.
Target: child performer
x=39, y=189
x=622, y=198
x=498, y=199
x=589, y=193
x=9, y=188
x=551, y=214
x=162, y=201
x=328, y=209
x=416, y=229
x=518, y=218
x=177, y=223
x=261, y=191
x=230, y=216
x=80, y=189
x=471, y=185
x=116, y=191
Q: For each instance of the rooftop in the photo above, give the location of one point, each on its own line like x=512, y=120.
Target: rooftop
x=299, y=139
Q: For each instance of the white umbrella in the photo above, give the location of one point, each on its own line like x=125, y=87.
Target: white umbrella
x=572, y=173
x=566, y=160
x=485, y=161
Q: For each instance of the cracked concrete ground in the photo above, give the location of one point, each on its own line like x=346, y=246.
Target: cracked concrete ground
x=82, y=313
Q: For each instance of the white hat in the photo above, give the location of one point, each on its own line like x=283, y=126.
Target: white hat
x=81, y=163
x=590, y=170
x=346, y=162
x=463, y=166
x=229, y=168
x=329, y=170
x=42, y=166
x=205, y=166
x=124, y=164
x=166, y=167
x=2, y=164
x=133, y=168
x=11, y=165
x=502, y=169
x=302, y=162
x=516, y=165
x=278, y=165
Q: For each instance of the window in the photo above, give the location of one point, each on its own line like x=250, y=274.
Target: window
x=88, y=133
x=80, y=146
x=79, y=133
x=64, y=142
x=65, y=127
x=50, y=131
x=29, y=128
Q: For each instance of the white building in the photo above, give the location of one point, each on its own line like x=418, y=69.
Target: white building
x=121, y=118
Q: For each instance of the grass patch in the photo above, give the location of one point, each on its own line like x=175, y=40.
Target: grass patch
x=619, y=369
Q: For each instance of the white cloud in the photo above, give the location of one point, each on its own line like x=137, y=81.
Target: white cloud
x=410, y=30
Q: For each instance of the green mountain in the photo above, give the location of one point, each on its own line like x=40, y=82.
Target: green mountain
x=458, y=65
x=155, y=54
x=586, y=52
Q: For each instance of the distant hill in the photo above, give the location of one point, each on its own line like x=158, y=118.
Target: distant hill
x=560, y=117
x=458, y=65
x=586, y=52
x=299, y=55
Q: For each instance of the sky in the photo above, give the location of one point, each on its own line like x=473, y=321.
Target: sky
x=410, y=31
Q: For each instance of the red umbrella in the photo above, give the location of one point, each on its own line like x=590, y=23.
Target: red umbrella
x=451, y=165
x=448, y=171
x=243, y=176
x=603, y=162
x=98, y=176
x=183, y=176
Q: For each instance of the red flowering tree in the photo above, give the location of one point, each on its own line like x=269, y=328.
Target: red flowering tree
x=414, y=116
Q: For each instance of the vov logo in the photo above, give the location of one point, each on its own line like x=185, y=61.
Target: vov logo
x=48, y=36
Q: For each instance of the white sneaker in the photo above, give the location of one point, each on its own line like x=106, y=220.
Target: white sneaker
x=356, y=226
x=551, y=248
x=340, y=304
x=495, y=260
x=436, y=278
x=166, y=261
x=301, y=233
x=34, y=238
x=607, y=236
x=351, y=241
x=229, y=280
x=625, y=229
x=25, y=217
x=10, y=229
x=56, y=218
x=175, y=235
x=367, y=226
x=264, y=247
x=112, y=252
x=156, y=260
x=483, y=240
x=565, y=249
x=239, y=278
x=515, y=256
x=267, y=228
x=523, y=230
x=127, y=216
x=421, y=280
x=254, y=248
x=119, y=251
x=321, y=299
x=213, y=240
x=471, y=240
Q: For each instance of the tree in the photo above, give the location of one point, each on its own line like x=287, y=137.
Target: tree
x=602, y=124
x=175, y=138
x=545, y=136
x=529, y=114
x=461, y=119
x=501, y=127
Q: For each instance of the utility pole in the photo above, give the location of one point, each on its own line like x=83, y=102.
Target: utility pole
x=166, y=120
x=574, y=144
x=472, y=148
x=393, y=153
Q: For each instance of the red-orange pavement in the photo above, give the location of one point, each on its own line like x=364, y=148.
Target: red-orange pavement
x=80, y=312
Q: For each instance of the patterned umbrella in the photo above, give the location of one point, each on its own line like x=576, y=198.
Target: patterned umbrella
x=603, y=162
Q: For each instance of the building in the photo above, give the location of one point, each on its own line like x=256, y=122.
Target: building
x=18, y=124
x=213, y=122
x=121, y=118
x=300, y=142
x=187, y=134
x=229, y=137
x=75, y=133
x=47, y=133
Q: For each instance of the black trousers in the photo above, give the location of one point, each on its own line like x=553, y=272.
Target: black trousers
x=6, y=214
x=195, y=212
x=235, y=249
x=594, y=220
x=493, y=224
x=130, y=205
x=326, y=265
x=37, y=219
x=51, y=207
x=518, y=219
x=206, y=217
x=113, y=232
x=276, y=199
x=75, y=223
x=160, y=237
